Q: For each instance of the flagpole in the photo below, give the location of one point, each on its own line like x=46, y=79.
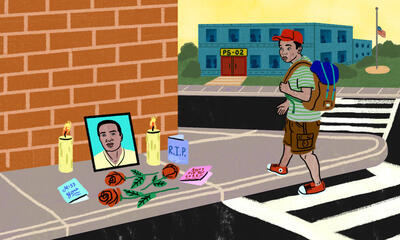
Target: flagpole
x=376, y=33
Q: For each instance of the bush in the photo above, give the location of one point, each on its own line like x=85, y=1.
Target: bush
x=346, y=71
x=188, y=50
x=366, y=62
x=192, y=69
x=387, y=49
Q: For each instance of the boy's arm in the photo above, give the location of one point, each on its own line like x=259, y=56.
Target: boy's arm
x=304, y=94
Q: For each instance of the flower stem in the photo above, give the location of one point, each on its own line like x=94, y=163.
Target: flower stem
x=152, y=183
x=127, y=197
x=166, y=190
x=151, y=173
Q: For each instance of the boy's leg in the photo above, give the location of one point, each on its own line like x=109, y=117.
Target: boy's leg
x=312, y=163
x=286, y=156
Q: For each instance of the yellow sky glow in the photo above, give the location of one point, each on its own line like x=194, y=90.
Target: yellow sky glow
x=358, y=13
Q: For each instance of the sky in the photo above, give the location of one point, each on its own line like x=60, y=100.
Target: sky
x=358, y=13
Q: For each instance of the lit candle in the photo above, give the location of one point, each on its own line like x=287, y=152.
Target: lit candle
x=65, y=150
x=153, y=144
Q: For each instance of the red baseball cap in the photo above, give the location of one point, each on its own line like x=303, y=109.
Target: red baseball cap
x=289, y=35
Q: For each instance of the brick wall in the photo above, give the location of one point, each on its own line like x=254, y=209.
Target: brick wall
x=62, y=60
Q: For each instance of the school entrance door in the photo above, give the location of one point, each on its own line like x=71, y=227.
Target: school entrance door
x=233, y=62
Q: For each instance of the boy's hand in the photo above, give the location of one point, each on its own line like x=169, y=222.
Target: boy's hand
x=283, y=108
x=284, y=87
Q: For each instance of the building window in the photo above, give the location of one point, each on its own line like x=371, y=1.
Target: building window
x=367, y=45
x=233, y=35
x=362, y=54
x=273, y=32
x=356, y=55
x=357, y=45
x=341, y=56
x=362, y=45
x=368, y=54
x=326, y=36
x=211, y=35
x=342, y=37
x=274, y=61
x=211, y=61
x=255, y=61
x=255, y=35
x=326, y=57
x=301, y=30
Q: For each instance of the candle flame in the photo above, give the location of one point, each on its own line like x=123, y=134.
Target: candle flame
x=153, y=123
x=67, y=128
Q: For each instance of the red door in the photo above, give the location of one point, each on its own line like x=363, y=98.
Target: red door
x=240, y=66
x=226, y=66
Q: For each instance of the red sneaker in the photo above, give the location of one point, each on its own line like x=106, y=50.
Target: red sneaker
x=310, y=188
x=278, y=170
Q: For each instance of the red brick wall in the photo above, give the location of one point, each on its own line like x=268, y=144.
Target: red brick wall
x=62, y=60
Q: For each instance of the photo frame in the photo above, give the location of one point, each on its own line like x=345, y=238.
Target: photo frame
x=111, y=141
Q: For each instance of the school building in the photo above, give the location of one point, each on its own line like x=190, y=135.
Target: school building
x=248, y=49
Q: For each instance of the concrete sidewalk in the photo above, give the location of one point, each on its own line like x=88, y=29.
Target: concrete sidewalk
x=273, y=91
x=33, y=209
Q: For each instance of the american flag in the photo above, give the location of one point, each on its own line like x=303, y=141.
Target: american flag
x=381, y=32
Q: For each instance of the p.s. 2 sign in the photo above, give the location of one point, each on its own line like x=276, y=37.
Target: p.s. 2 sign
x=234, y=52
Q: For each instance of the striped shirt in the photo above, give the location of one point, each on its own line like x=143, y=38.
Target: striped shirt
x=302, y=77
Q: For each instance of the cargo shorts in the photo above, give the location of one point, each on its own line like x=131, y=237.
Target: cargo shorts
x=301, y=136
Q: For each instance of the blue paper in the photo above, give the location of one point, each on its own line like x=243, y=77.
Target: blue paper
x=72, y=190
x=178, y=149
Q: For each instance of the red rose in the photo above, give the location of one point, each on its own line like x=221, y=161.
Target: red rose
x=115, y=178
x=110, y=196
x=170, y=171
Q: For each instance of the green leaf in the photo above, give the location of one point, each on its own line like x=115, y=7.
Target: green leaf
x=139, y=180
x=145, y=199
x=133, y=193
x=137, y=172
x=154, y=179
x=159, y=183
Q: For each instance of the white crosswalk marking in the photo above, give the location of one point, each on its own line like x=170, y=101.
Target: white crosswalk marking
x=364, y=120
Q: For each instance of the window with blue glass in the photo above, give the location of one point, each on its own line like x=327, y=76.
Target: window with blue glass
x=356, y=55
x=255, y=35
x=341, y=56
x=255, y=61
x=367, y=45
x=211, y=35
x=342, y=37
x=326, y=57
x=301, y=30
x=362, y=54
x=273, y=32
x=362, y=45
x=368, y=53
x=326, y=36
x=274, y=61
x=211, y=61
x=233, y=35
x=357, y=45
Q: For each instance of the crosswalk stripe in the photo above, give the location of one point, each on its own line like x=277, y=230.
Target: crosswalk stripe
x=334, y=193
x=281, y=219
x=361, y=216
x=360, y=110
x=363, y=101
x=354, y=120
x=397, y=237
x=351, y=128
x=391, y=118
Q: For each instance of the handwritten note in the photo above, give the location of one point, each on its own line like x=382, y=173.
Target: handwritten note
x=73, y=192
x=197, y=175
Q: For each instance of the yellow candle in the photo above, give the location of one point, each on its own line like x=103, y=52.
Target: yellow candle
x=65, y=150
x=153, y=144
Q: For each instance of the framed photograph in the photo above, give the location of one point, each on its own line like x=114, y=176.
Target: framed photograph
x=111, y=141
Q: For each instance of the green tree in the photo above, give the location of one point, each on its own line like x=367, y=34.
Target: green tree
x=387, y=49
x=192, y=69
x=188, y=51
x=346, y=71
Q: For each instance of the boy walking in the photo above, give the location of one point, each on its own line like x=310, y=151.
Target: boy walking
x=302, y=125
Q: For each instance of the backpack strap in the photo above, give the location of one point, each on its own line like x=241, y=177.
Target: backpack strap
x=327, y=80
x=287, y=76
x=293, y=69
